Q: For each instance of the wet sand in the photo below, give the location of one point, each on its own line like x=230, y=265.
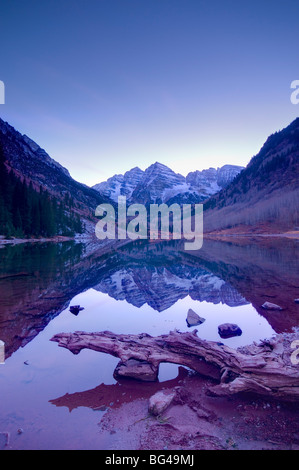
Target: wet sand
x=193, y=421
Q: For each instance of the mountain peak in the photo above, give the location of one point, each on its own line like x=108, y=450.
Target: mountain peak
x=134, y=171
x=160, y=184
x=157, y=166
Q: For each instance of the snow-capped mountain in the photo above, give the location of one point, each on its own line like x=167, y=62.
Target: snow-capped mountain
x=159, y=184
x=213, y=180
x=120, y=185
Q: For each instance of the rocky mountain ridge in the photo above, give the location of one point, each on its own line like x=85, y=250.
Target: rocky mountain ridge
x=159, y=184
x=31, y=163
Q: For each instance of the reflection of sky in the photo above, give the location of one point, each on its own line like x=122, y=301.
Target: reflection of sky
x=105, y=86
x=104, y=313
x=42, y=371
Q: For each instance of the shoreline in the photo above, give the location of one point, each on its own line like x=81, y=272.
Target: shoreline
x=222, y=234
x=57, y=239
x=294, y=234
x=193, y=421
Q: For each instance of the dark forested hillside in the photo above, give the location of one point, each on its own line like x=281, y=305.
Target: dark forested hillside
x=27, y=161
x=27, y=212
x=266, y=193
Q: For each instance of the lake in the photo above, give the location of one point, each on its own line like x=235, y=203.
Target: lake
x=52, y=399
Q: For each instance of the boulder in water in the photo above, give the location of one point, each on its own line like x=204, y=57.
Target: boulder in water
x=228, y=330
x=193, y=319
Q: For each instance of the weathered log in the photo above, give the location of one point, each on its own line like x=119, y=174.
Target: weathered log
x=267, y=369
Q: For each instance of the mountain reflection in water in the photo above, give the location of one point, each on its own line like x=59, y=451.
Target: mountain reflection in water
x=38, y=281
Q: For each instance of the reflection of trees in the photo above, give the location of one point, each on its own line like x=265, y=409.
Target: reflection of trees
x=52, y=258
x=34, y=282
x=47, y=276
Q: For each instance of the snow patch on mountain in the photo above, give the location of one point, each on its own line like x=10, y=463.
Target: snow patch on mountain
x=159, y=184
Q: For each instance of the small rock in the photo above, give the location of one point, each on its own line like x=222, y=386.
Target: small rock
x=134, y=369
x=159, y=402
x=193, y=319
x=270, y=306
x=75, y=309
x=228, y=330
x=296, y=301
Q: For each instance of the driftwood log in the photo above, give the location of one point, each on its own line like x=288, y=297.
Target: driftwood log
x=268, y=369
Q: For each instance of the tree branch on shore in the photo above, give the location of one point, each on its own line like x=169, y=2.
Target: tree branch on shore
x=267, y=369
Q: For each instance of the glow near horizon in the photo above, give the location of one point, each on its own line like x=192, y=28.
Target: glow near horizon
x=113, y=85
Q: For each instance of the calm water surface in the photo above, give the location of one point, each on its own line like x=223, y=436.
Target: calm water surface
x=138, y=288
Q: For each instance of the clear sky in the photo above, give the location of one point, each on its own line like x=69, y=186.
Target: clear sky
x=106, y=85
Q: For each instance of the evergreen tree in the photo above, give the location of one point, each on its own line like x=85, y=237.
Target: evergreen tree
x=24, y=211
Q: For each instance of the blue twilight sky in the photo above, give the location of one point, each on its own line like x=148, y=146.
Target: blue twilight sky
x=106, y=85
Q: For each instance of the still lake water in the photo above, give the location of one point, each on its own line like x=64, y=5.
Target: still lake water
x=138, y=288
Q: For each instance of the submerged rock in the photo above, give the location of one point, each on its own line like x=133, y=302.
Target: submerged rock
x=296, y=301
x=228, y=330
x=193, y=319
x=270, y=306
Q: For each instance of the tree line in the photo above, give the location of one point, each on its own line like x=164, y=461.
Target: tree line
x=28, y=212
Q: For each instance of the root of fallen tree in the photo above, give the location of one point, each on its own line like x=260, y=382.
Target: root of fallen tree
x=268, y=369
